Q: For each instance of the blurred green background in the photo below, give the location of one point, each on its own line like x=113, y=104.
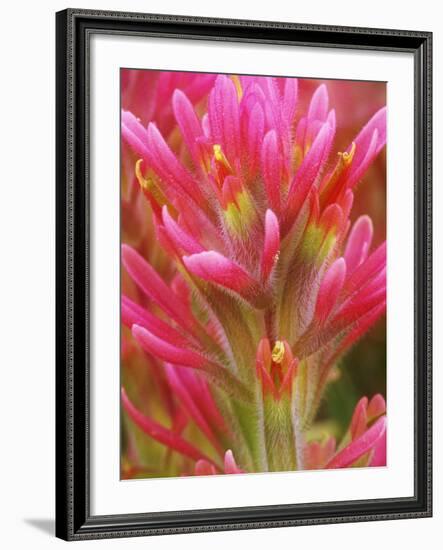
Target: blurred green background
x=361, y=372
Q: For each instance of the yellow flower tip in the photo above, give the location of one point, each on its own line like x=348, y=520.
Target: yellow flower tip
x=138, y=172
x=347, y=157
x=237, y=84
x=218, y=152
x=220, y=156
x=278, y=352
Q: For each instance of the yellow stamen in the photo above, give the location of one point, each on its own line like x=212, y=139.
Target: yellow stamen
x=220, y=156
x=218, y=152
x=144, y=184
x=278, y=352
x=347, y=157
x=149, y=185
x=238, y=87
x=345, y=160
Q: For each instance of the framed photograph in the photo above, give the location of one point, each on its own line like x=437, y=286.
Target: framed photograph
x=243, y=274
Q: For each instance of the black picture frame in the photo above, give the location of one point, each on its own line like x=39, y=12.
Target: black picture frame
x=74, y=28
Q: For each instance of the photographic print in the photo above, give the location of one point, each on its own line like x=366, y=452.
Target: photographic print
x=232, y=199
x=253, y=274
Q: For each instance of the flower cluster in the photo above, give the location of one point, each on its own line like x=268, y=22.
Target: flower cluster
x=245, y=280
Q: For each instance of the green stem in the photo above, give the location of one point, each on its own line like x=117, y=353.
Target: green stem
x=279, y=434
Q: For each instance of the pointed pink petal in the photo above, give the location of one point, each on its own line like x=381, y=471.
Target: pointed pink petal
x=377, y=282
x=314, y=208
x=170, y=169
x=357, y=307
x=199, y=390
x=313, y=126
x=346, y=202
x=376, y=407
x=317, y=115
x=377, y=122
x=195, y=86
x=194, y=221
x=262, y=364
x=359, y=446
x=363, y=325
x=290, y=94
x=160, y=433
x=134, y=125
x=253, y=95
x=278, y=114
x=263, y=375
x=331, y=120
x=181, y=289
x=189, y=404
x=356, y=172
x=133, y=314
x=135, y=135
x=224, y=119
x=365, y=143
x=198, y=86
x=254, y=138
x=179, y=236
x=359, y=418
x=271, y=103
x=379, y=456
x=318, y=108
x=230, y=464
x=375, y=263
x=271, y=246
x=373, y=285
x=309, y=171
x=167, y=351
x=204, y=468
x=332, y=219
x=329, y=291
x=189, y=125
x=358, y=244
x=205, y=126
x=300, y=133
x=264, y=352
x=286, y=384
x=269, y=85
x=165, y=241
x=216, y=268
x=272, y=169
x=186, y=357
x=232, y=187
x=316, y=454
x=148, y=280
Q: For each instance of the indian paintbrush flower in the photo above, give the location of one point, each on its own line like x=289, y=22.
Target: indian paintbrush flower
x=268, y=282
